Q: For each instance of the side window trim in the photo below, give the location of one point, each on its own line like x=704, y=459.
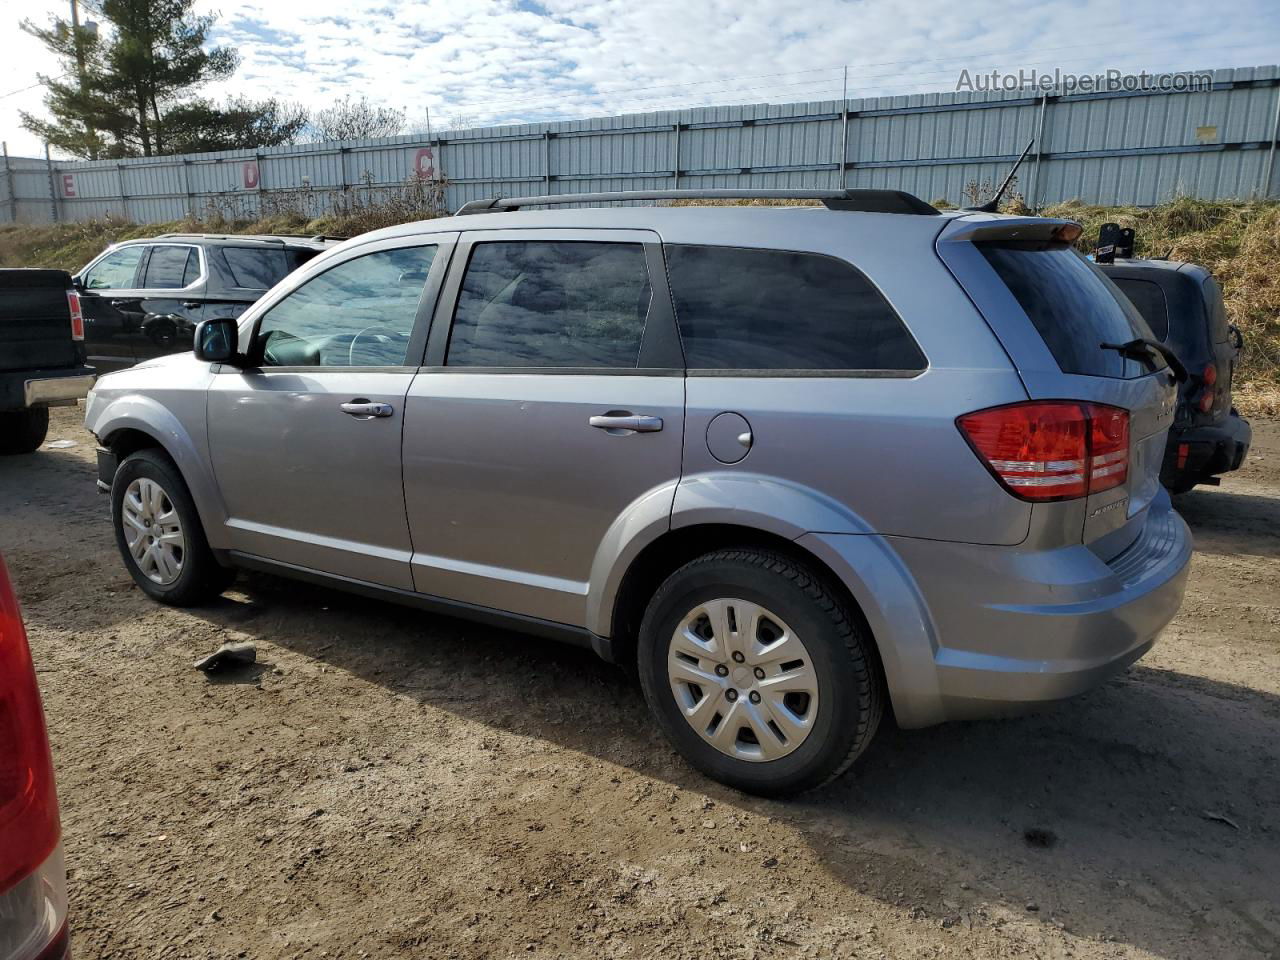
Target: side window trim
x=443, y=242
x=660, y=351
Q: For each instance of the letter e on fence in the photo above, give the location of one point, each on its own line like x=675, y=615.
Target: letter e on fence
x=68, y=184
x=424, y=164
x=250, y=174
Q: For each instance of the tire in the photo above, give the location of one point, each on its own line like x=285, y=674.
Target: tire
x=837, y=719
x=181, y=571
x=22, y=431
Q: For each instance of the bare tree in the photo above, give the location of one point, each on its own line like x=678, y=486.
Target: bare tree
x=461, y=121
x=354, y=119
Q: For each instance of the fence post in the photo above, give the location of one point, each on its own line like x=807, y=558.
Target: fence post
x=53, y=192
x=844, y=129
x=8, y=179
x=1271, y=150
x=186, y=188
x=124, y=196
x=546, y=160
x=675, y=159
x=1033, y=193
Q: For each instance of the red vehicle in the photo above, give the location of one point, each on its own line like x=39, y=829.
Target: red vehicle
x=33, y=881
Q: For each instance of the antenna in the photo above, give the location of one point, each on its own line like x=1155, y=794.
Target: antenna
x=991, y=205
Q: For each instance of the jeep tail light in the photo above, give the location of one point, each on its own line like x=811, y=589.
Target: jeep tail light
x=29, y=829
x=77, y=316
x=1208, y=394
x=1051, y=449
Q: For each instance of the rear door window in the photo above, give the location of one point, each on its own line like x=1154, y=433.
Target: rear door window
x=778, y=310
x=542, y=303
x=1072, y=306
x=256, y=269
x=171, y=267
x=1150, y=301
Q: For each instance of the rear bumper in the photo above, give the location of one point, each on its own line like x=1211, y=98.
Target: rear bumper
x=1195, y=453
x=1000, y=630
x=31, y=388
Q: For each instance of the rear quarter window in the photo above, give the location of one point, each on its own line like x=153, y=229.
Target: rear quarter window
x=1150, y=301
x=256, y=269
x=778, y=310
x=1072, y=305
x=1219, y=325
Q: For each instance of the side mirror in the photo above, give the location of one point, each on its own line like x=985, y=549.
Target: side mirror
x=216, y=340
x=77, y=283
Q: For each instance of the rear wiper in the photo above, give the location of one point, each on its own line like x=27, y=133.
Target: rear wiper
x=1146, y=350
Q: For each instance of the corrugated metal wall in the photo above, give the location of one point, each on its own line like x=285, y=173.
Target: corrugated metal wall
x=1109, y=148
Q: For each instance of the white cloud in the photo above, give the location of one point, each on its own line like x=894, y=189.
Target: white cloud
x=496, y=61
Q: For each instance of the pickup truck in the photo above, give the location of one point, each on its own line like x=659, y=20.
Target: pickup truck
x=42, y=354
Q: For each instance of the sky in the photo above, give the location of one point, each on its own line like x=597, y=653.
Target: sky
x=480, y=62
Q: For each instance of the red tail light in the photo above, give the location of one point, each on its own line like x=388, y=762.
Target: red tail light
x=29, y=829
x=1052, y=450
x=1207, y=394
x=77, y=316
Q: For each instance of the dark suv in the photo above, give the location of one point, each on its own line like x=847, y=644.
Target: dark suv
x=143, y=298
x=1182, y=305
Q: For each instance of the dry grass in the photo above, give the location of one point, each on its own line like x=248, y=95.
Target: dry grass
x=1238, y=241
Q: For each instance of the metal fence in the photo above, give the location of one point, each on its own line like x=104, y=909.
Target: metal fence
x=1111, y=148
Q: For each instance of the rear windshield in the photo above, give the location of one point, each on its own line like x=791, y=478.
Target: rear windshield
x=1072, y=305
x=1150, y=301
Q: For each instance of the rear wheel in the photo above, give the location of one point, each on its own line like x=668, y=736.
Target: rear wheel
x=159, y=534
x=22, y=431
x=757, y=672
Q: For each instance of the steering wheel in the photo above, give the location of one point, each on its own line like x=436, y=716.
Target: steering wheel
x=351, y=350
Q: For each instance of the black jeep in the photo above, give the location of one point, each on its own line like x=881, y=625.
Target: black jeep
x=1182, y=304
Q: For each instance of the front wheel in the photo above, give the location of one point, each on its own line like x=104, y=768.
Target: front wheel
x=758, y=673
x=159, y=533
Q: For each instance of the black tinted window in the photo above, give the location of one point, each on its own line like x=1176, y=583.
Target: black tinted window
x=171, y=268
x=1072, y=305
x=774, y=310
x=256, y=269
x=1150, y=301
x=548, y=304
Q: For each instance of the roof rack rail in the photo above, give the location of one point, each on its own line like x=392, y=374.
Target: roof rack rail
x=863, y=201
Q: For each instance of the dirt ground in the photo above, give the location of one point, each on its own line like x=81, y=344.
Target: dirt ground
x=389, y=783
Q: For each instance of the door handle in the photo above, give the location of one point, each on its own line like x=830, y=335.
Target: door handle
x=618, y=422
x=191, y=304
x=365, y=410
x=119, y=303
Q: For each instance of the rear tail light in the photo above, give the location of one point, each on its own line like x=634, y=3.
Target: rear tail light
x=1208, y=394
x=1051, y=450
x=29, y=829
x=77, y=316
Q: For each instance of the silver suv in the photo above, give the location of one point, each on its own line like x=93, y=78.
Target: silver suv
x=793, y=464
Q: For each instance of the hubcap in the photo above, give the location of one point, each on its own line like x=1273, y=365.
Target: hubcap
x=153, y=531
x=743, y=680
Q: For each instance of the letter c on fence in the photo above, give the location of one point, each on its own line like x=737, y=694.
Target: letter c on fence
x=424, y=163
x=250, y=172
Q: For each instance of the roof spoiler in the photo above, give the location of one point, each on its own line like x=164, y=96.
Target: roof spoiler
x=1028, y=229
x=862, y=201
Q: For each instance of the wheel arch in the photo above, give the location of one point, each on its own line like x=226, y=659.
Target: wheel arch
x=136, y=423
x=670, y=551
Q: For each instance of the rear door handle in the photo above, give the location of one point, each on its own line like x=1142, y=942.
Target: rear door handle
x=627, y=421
x=191, y=304
x=365, y=410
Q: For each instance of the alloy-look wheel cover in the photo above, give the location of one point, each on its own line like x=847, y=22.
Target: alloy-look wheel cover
x=743, y=680
x=153, y=531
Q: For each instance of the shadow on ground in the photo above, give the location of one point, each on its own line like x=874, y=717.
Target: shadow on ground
x=1096, y=813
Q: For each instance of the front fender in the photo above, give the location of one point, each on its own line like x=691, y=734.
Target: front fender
x=188, y=448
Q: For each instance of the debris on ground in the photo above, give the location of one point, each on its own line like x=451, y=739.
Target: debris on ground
x=1220, y=818
x=229, y=654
